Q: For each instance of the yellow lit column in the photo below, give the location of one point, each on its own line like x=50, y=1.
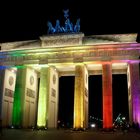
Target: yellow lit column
x=42, y=115
x=81, y=97
x=48, y=98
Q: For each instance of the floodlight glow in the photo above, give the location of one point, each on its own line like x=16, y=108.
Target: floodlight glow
x=93, y=125
x=123, y=118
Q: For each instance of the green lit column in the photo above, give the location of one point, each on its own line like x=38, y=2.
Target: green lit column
x=42, y=115
x=19, y=97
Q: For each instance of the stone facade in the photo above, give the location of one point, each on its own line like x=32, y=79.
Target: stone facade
x=53, y=56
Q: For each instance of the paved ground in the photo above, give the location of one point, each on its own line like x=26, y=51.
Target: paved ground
x=18, y=134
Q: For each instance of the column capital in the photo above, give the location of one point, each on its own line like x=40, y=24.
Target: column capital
x=133, y=62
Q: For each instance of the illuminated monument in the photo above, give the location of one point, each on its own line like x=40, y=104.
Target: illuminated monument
x=30, y=71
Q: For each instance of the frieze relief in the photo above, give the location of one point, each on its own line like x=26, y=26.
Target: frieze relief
x=78, y=59
x=86, y=92
x=53, y=92
x=9, y=93
x=61, y=42
x=70, y=54
x=30, y=93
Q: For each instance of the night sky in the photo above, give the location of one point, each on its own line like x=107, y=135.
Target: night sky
x=24, y=20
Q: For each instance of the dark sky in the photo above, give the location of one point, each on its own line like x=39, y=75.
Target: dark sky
x=21, y=20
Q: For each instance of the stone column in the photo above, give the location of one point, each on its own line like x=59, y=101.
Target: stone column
x=48, y=98
x=7, y=88
x=134, y=92
x=19, y=97
x=107, y=95
x=2, y=72
x=53, y=98
x=42, y=115
x=81, y=97
x=24, y=111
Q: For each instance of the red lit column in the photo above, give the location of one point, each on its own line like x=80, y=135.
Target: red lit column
x=107, y=95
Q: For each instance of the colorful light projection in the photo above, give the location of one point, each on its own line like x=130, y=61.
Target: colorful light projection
x=79, y=97
x=4, y=67
x=42, y=115
x=107, y=96
x=18, y=97
x=17, y=110
x=135, y=91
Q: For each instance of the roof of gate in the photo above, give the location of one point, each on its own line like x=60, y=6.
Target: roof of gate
x=87, y=40
x=109, y=39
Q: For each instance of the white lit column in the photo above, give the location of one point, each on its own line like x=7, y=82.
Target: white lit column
x=7, y=88
x=53, y=98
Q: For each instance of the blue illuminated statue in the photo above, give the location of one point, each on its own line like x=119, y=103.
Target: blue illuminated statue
x=66, y=13
x=68, y=25
x=67, y=28
x=77, y=26
x=58, y=29
x=51, y=29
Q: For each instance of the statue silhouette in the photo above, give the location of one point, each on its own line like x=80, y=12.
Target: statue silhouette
x=66, y=13
x=77, y=26
x=68, y=27
x=58, y=29
x=51, y=29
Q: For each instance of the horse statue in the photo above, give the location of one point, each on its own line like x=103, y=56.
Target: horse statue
x=51, y=29
x=77, y=26
x=68, y=26
x=58, y=29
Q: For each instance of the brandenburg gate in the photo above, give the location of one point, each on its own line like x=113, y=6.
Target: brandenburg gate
x=30, y=71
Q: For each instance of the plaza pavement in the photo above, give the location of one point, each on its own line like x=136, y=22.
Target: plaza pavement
x=29, y=134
